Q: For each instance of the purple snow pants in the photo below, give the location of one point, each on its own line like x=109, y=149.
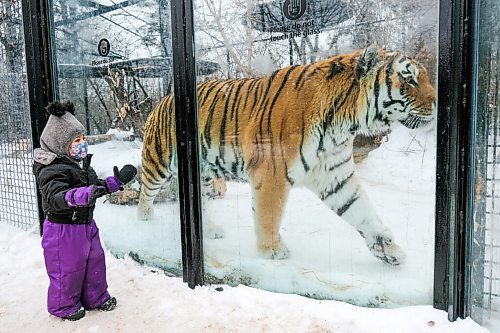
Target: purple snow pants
x=74, y=259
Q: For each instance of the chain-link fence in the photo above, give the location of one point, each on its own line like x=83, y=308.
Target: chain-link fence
x=486, y=241
x=492, y=230
x=18, y=202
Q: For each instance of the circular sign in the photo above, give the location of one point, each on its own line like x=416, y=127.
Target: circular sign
x=294, y=9
x=103, y=47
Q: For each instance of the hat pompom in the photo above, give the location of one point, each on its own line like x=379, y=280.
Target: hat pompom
x=60, y=108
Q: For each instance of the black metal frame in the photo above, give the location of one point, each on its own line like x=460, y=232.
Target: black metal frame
x=186, y=121
x=39, y=70
x=455, y=158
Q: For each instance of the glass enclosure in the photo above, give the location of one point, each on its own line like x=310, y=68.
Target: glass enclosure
x=317, y=139
x=486, y=233
x=315, y=180
x=114, y=62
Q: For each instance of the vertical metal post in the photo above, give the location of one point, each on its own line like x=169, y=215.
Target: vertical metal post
x=39, y=69
x=186, y=121
x=455, y=159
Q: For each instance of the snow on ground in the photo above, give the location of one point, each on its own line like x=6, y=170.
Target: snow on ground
x=150, y=301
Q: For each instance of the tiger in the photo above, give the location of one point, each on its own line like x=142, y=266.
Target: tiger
x=295, y=128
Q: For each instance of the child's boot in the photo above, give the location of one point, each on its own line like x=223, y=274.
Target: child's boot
x=76, y=316
x=109, y=305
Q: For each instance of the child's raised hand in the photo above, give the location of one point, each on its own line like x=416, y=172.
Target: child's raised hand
x=126, y=174
x=120, y=178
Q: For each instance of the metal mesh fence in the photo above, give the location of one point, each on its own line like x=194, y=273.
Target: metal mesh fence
x=18, y=203
x=492, y=232
x=486, y=243
x=492, y=221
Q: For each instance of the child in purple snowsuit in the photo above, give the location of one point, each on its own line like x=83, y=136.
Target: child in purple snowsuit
x=74, y=257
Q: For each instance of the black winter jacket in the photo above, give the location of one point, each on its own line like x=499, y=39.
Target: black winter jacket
x=55, y=179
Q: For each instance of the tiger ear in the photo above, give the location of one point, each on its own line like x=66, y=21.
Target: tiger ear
x=371, y=56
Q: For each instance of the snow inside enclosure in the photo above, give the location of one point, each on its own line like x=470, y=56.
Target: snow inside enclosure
x=328, y=259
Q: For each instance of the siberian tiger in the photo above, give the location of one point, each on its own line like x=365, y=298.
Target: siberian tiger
x=296, y=128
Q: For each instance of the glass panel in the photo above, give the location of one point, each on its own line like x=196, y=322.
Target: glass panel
x=314, y=182
x=114, y=63
x=486, y=242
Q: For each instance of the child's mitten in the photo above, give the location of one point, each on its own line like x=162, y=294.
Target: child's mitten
x=84, y=196
x=126, y=174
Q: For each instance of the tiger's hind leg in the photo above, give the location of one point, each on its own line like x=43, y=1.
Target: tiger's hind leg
x=347, y=198
x=269, y=196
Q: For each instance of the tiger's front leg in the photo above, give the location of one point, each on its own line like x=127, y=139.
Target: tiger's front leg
x=346, y=197
x=269, y=196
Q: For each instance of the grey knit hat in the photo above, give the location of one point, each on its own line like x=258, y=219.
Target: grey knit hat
x=61, y=128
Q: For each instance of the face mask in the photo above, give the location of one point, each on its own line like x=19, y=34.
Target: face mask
x=78, y=151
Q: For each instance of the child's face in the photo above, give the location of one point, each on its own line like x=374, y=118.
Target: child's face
x=78, y=148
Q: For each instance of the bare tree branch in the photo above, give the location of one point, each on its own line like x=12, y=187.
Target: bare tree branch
x=246, y=70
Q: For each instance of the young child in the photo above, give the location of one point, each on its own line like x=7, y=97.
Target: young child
x=74, y=257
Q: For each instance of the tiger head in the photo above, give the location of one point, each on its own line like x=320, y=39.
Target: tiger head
x=401, y=88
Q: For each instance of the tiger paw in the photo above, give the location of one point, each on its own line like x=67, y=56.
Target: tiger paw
x=277, y=251
x=386, y=250
x=145, y=211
